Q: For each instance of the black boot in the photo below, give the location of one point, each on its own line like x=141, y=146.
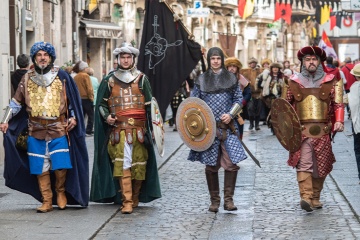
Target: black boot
x=212, y=179
x=251, y=127
x=257, y=120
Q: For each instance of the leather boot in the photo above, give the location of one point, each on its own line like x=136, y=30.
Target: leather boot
x=318, y=184
x=126, y=190
x=136, y=186
x=60, y=188
x=251, y=127
x=212, y=179
x=229, y=188
x=306, y=190
x=257, y=120
x=46, y=192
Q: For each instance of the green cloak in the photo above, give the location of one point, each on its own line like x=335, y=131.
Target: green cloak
x=104, y=187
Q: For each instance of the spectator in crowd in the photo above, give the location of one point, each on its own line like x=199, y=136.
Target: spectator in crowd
x=354, y=104
x=94, y=81
x=83, y=82
x=23, y=61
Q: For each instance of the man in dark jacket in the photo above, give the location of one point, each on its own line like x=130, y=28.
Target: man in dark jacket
x=23, y=61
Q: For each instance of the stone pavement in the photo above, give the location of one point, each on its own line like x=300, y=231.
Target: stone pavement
x=267, y=198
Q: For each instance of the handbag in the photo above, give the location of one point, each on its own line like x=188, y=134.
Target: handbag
x=21, y=140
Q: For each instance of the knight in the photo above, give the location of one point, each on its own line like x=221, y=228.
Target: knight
x=54, y=122
x=316, y=97
x=124, y=158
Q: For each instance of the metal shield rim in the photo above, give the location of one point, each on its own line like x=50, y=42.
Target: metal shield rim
x=158, y=127
x=181, y=126
x=296, y=138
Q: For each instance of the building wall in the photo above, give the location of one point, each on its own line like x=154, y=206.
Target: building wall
x=4, y=66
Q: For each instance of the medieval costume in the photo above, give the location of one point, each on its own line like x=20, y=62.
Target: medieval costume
x=124, y=157
x=354, y=104
x=317, y=99
x=222, y=94
x=271, y=84
x=254, y=106
x=56, y=157
x=245, y=89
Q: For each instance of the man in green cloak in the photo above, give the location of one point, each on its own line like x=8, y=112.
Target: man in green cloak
x=124, y=156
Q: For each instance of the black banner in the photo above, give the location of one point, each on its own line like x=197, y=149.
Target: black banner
x=167, y=56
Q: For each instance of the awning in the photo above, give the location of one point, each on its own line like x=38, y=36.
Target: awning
x=97, y=29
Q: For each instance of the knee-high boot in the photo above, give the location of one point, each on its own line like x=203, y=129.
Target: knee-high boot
x=126, y=190
x=60, y=188
x=251, y=119
x=136, y=186
x=257, y=120
x=212, y=179
x=46, y=192
x=229, y=188
x=306, y=190
x=318, y=184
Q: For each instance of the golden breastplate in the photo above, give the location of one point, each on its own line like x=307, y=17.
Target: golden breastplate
x=312, y=109
x=45, y=101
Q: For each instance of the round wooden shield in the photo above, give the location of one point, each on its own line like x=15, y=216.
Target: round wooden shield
x=196, y=124
x=286, y=124
x=158, y=126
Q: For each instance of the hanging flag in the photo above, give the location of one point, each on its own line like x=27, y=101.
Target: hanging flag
x=228, y=44
x=249, y=8
x=241, y=7
x=318, y=13
x=325, y=14
x=326, y=45
x=332, y=19
x=246, y=8
x=339, y=16
x=284, y=11
x=167, y=55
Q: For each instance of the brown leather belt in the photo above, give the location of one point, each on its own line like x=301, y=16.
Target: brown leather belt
x=129, y=122
x=224, y=126
x=44, y=122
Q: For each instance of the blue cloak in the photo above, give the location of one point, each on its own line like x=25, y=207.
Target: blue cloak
x=16, y=168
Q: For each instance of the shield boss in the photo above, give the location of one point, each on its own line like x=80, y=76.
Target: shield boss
x=286, y=124
x=195, y=123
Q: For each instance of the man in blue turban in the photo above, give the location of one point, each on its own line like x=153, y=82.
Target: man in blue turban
x=55, y=146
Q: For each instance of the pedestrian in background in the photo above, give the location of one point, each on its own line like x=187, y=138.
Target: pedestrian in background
x=233, y=65
x=354, y=104
x=254, y=106
x=23, y=61
x=350, y=79
x=271, y=86
x=314, y=89
x=124, y=157
x=83, y=82
x=94, y=82
x=220, y=89
x=48, y=162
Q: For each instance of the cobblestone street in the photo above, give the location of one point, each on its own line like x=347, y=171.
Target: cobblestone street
x=267, y=199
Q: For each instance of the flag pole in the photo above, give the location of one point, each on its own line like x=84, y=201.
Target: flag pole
x=177, y=18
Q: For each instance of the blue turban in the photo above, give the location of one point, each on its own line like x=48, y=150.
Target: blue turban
x=45, y=46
